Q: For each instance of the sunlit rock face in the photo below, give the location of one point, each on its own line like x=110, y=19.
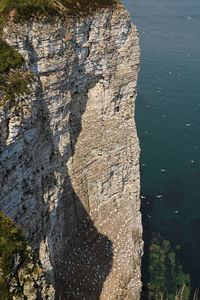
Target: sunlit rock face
x=70, y=154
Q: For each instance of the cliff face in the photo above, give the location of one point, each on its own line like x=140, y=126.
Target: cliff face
x=70, y=153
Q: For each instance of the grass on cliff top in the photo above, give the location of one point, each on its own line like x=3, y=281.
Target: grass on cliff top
x=24, y=9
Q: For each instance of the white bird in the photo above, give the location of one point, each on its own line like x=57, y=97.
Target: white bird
x=142, y=197
x=176, y=211
x=188, y=124
x=162, y=170
x=159, y=196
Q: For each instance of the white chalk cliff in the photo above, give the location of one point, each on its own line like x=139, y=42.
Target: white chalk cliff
x=70, y=153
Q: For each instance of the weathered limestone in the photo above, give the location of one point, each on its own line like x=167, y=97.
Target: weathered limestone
x=70, y=154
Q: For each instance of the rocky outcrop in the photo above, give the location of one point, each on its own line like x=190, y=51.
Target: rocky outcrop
x=27, y=282
x=70, y=153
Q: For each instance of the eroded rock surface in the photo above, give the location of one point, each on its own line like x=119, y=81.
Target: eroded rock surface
x=70, y=154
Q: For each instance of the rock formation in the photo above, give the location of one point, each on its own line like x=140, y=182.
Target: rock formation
x=70, y=153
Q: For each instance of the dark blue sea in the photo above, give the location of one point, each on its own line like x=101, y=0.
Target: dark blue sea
x=168, y=123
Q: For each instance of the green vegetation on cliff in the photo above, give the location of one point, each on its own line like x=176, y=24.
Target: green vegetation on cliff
x=9, y=58
x=13, y=255
x=12, y=81
x=24, y=9
x=18, y=265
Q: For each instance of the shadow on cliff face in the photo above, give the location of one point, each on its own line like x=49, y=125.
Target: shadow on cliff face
x=80, y=255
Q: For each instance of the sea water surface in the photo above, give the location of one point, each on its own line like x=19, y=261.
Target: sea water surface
x=168, y=122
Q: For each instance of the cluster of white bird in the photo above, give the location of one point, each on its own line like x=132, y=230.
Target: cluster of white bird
x=124, y=251
x=111, y=252
x=87, y=266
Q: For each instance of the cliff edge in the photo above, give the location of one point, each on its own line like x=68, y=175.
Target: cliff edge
x=70, y=153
